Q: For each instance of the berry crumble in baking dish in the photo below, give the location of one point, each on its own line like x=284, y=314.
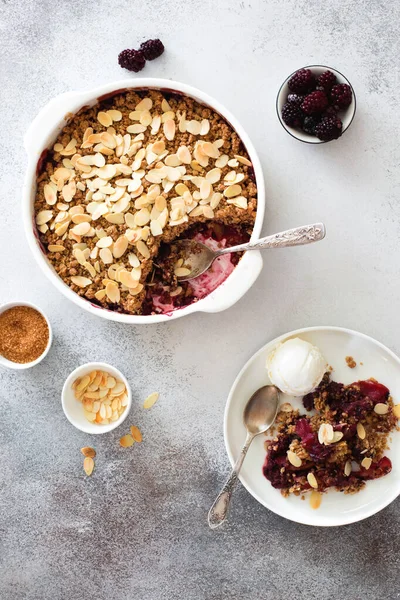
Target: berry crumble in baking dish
x=127, y=177
x=342, y=445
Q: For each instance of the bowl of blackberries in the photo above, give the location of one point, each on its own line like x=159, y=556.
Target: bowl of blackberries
x=316, y=104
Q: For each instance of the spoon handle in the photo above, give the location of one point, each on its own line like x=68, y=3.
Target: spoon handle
x=218, y=511
x=307, y=234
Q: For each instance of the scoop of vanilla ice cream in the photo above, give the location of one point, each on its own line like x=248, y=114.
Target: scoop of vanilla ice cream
x=296, y=367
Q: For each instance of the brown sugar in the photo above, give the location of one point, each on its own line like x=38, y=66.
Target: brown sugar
x=24, y=334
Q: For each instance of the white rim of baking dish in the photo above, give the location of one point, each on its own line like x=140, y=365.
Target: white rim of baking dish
x=43, y=132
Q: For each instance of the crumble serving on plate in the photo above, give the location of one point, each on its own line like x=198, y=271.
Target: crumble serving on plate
x=342, y=445
x=128, y=176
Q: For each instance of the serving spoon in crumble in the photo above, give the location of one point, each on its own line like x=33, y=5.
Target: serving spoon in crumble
x=196, y=257
x=258, y=416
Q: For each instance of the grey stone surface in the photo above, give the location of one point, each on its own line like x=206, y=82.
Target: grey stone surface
x=137, y=528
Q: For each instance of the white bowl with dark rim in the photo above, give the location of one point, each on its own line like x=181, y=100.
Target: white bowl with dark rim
x=9, y=364
x=346, y=115
x=41, y=136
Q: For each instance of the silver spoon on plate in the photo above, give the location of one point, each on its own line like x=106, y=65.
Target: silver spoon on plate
x=198, y=258
x=258, y=416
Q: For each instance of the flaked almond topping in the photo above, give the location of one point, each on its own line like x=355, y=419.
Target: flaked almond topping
x=315, y=499
x=243, y=160
x=120, y=246
x=143, y=249
x=104, y=119
x=193, y=127
x=232, y=191
x=366, y=462
x=347, y=468
x=151, y=400
x=116, y=115
x=106, y=256
x=169, y=129
x=88, y=465
x=286, y=407
x=145, y=104
x=113, y=293
x=88, y=451
x=43, y=217
x=294, y=459
x=312, y=480
x=50, y=194
x=126, y=441
x=55, y=248
x=325, y=433
x=361, y=431
x=184, y=155
x=337, y=436
x=81, y=281
x=396, y=410
x=182, y=272
x=105, y=242
x=381, y=408
x=136, y=434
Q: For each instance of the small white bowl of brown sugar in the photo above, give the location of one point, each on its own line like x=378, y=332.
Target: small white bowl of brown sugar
x=96, y=398
x=25, y=335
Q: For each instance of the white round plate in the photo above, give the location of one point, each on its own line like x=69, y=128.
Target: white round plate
x=336, y=508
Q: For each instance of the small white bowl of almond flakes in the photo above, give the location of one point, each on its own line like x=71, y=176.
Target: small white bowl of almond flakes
x=96, y=398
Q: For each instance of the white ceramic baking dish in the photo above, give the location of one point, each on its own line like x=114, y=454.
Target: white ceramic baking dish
x=42, y=134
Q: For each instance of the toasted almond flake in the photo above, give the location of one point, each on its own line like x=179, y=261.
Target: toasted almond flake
x=205, y=127
x=233, y=162
x=208, y=212
x=396, y=410
x=286, y=407
x=232, y=191
x=151, y=400
x=361, y=431
x=145, y=104
x=176, y=291
x=165, y=107
x=193, y=127
x=239, y=201
x=100, y=295
x=169, y=129
x=210, y=150
x=133, y=260
x=120, y=246
x=215, y=200
x=88, y=451
x=243, y=160
x=106, y=256
x=366, y=462
x=80, y=256
x=136, y=128
x=116, y=115
x=105, y=242
x=136, y=434
x=172, y=161
x=81, y=281
x=142, y=217
x=108, y=141
x=381, y=409
x=143, y=249
x=118, y=388
x=126, y=441
x=126, y=279
x=155, y=228
x=205, y=189
x=80, y=218
x=347, y=468
x=55, y=248
x=107, y=172
x=145, y=118
x=315, y=499
x=222, y=161
x=197, y=211
x=61, y=228
x=337, y=436
x=50, y=194
x=325, y=433
x=112, y=291
x=135, y=291
x=58, y=147
x=111, y=382
x=213, y=175
x=182, y=272
x=44, y=216
x=81, y=229
x=294, y=459
x=88, y=465
x=312, y=480
x=104, y=119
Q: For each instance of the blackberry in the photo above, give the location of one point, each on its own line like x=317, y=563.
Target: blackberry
x=315, y=103
x=326, y=81
x=341, y=95
x=330, y=111
x=152, y=49
x=330, y=128
x=301, y=82
x=309, y=125
x=291, y=115
x=295, y=99
x=133, y=60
